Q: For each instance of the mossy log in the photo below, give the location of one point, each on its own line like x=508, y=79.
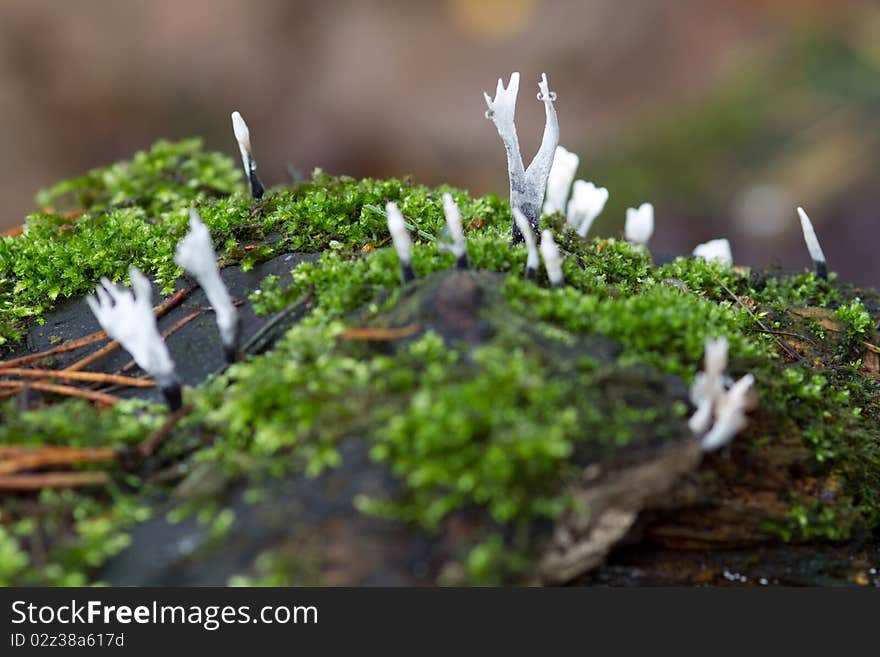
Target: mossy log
x=469, y=427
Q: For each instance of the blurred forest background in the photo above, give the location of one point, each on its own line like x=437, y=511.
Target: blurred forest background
x=725, y=113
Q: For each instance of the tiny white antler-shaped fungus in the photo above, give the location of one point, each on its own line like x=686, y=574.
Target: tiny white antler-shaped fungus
x=195, y=253
x=527, y=185
x=127, y=316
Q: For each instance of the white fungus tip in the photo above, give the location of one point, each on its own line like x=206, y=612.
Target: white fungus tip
x=127, y=317
x=810, y=238
x=639, y=225
x=717, y=250
x=399, y=233
x=141, y=285
x=552, y=259
x=730, y=415
x=562, y=172
x=720, y=412
x=587, y=202
x=453, y=221
x=195, y=253
x=239, y=127
x=195, y=219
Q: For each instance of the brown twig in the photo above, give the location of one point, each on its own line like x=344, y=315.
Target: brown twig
x=12, y=450
x=69, y=391
x=162, y=309
x=95, y=356
x=60, y=349
x=149, y=446
x=380, y=334
x=788, y=333
x=40, y=457
x=782, y=343
x=92, y=377
x=52, y=480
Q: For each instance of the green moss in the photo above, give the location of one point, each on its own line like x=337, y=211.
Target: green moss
x=134, y=213
x=494, y=427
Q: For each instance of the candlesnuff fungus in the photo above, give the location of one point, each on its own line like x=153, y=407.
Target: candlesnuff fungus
x=639, y=224
x=565, y=164
x=458, y=247
x=813, y=245
x=532, y=260
x=527, y=185
x=552, y=259
x=719, y=405
x=717, y=250
x=730, y=414
x=243, y=137
x=587, y=202
x=708, y=386
x=402, y=241
x=195, y=253
x=127, y=317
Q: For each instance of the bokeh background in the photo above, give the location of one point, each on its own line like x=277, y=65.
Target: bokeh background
x=725, y=113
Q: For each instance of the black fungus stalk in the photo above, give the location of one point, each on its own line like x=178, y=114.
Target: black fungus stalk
x=230, y=348
x=525, y=229
x=243, y=137
x=172, y=392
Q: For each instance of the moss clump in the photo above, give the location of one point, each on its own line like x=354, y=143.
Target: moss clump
x=488, y=409
x=134, y=213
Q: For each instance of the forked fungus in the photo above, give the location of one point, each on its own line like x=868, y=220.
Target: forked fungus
x=527, y=185
x=127, y=317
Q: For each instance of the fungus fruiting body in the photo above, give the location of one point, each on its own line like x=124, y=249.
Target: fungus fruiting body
x=730, y=414
x=195, y=253
x=639, y=224
x=527, y=185
x=562, y=172
x=127, y=317
x=552, y=259
x=720, y=406
x=458, y=248
x=402, y=241
x=717, y=250
x=813, y=245
x=586, y=203
x=243, y=137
